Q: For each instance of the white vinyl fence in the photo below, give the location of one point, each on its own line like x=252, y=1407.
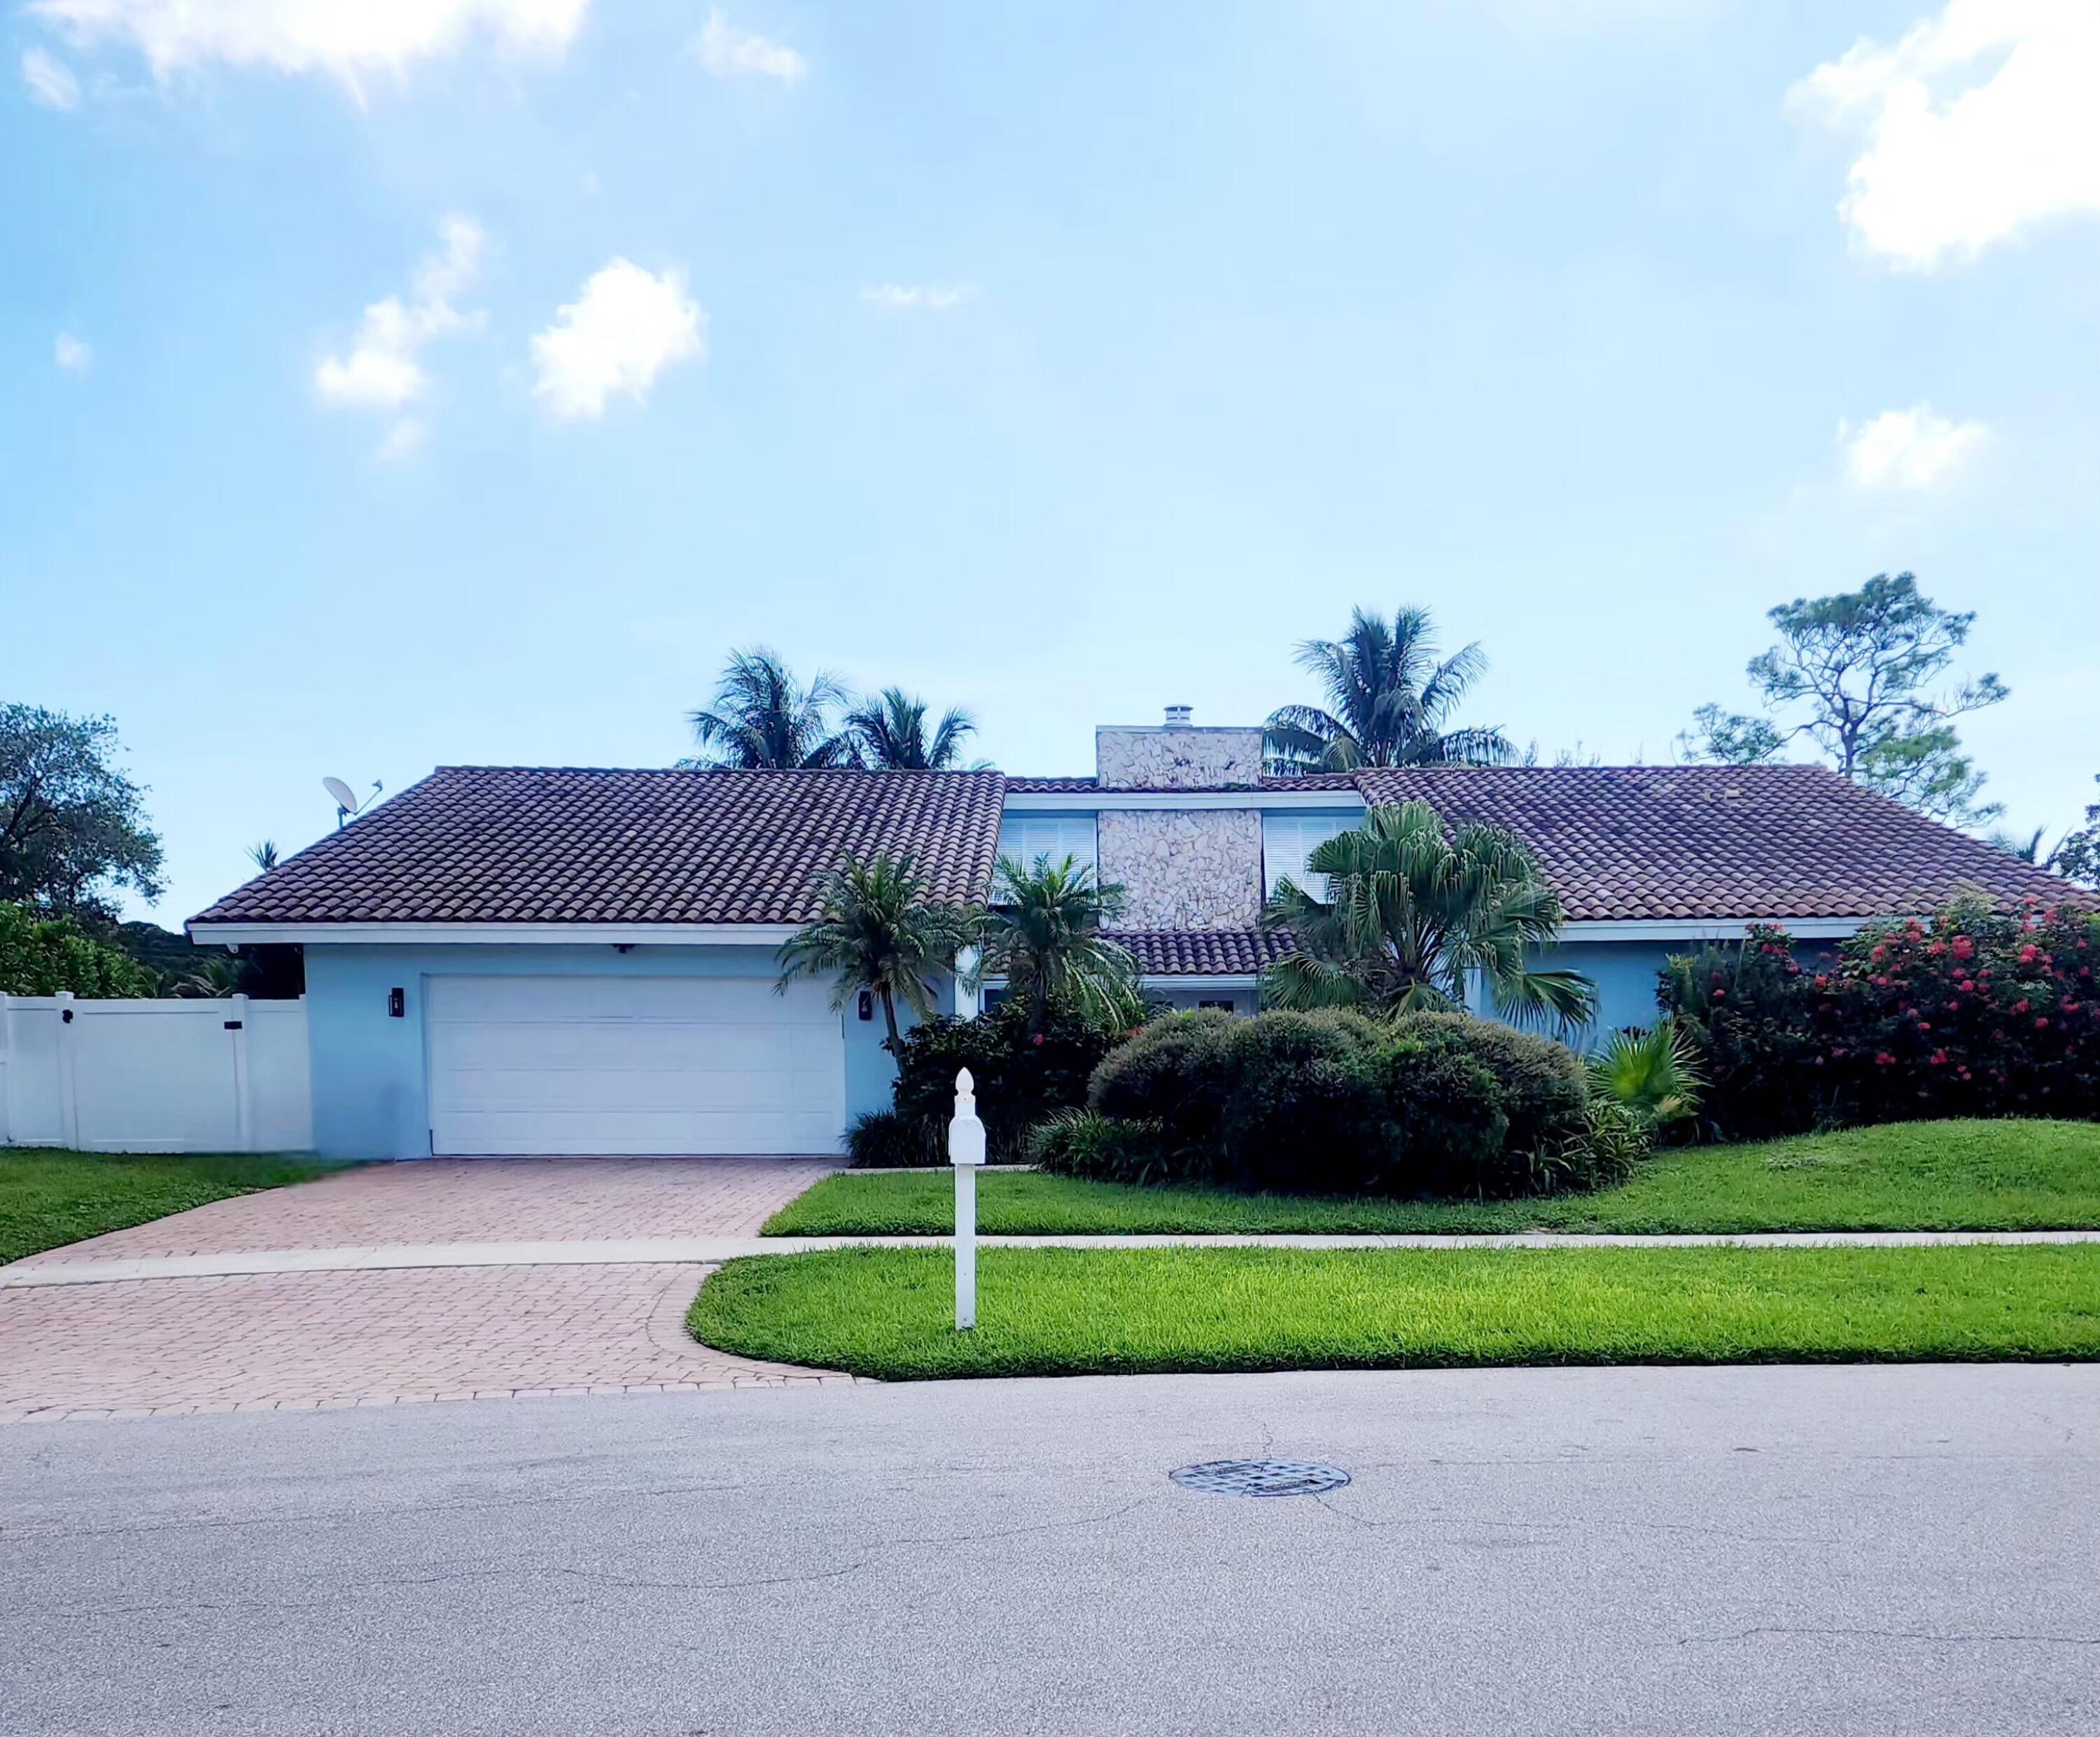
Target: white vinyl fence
x=226, y=1076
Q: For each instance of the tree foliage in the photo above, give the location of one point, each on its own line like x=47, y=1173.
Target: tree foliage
x=1387, y=696
x=761, y=715
x=73, y=826
x=888, y=733
x=878, y=930
x=43, y=955
x=2077, y=856
x=1044, y=934
x=1857, y=677
x=1411, y=913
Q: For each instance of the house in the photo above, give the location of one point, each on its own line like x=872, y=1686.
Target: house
x=517, y=959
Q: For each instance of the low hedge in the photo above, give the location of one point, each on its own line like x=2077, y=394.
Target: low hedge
x=1437, y=1104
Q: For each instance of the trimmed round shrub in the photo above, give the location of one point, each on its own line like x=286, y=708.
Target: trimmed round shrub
x=1544, y=1091
x=1307, y=1109
x=1177, y=1074
x=1447, y=1110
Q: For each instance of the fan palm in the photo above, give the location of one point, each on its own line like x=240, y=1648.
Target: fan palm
x=1043, y=934
x=1387, y=696
x=876, y=930
x=1656, y=1073
x=1412, y=914
x=889, y=734
x=762, y=716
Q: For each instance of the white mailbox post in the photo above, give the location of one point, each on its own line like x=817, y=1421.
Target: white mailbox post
x=966, y=1151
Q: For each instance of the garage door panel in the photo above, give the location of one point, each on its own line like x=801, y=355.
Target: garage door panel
x=645, y=1065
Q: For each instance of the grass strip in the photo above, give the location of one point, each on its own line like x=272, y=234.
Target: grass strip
x=889, y=1313
x=1912, y=1176
x=49, y=1198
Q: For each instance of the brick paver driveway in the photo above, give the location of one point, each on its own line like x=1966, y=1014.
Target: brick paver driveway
x=302, y=1341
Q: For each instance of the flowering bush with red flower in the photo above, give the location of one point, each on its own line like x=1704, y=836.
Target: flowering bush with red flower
x=1981, y=1011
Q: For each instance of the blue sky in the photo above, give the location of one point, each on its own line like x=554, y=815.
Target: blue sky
x=393, y=385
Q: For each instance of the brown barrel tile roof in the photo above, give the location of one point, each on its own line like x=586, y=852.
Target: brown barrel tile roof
x=1201, y=953
x=1646, y=842
x=538, y=844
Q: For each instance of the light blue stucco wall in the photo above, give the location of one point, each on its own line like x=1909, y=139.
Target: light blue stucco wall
x=368, y=1076
x=1625, y=973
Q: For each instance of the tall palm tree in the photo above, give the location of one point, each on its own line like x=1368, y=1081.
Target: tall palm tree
x=263, y=856
x=1412, y=914
x=1387, y=696
x=889, y=734
x=1043, y=934
x=877, y=930
x=762, y=716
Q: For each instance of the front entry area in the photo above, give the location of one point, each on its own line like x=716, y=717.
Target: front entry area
x=579, y=1065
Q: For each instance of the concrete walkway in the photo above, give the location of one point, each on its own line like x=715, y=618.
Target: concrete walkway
x=712, y=1251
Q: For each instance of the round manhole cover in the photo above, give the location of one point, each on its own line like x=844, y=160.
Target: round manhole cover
x=1260, y=1477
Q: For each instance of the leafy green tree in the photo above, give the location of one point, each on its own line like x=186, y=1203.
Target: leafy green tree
x=878, y=930
x=1387, y=695
x=1412, y=914
x=1043, y=934
x=889, y=734
x=42, y=955
x=1857, y=677
x=73, y=827
x=762, y=716
x=2077, y=856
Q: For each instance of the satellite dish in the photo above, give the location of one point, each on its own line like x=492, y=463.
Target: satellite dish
x=347, y=803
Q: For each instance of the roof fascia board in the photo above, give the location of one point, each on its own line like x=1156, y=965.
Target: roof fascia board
x=1021, y=801
x=1714, y=929
x=447, y=934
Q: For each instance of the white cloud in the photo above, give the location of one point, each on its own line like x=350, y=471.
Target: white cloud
x=1907, y=449
x=71, y=353
x=728, y=52
x=344, y=37
x=1978, y=123
x=383, y=369
x=932, y=298
x=50, y=80
x=624, y=329
x=404, y=440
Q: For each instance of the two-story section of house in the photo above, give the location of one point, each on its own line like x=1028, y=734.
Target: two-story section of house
x=1183, y=819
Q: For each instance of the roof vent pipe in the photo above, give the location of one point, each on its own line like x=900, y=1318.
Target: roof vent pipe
x=1179, y=717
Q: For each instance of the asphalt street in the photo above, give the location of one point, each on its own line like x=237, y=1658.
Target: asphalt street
x=1807, y=1550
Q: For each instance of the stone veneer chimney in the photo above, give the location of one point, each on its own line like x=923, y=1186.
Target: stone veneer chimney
x=1177, y=756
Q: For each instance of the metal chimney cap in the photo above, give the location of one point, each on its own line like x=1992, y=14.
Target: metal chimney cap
x=1179, y=717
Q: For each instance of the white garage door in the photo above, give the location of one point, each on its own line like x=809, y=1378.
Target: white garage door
x=633, y=1064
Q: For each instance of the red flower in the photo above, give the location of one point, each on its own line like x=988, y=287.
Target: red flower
x=1886, y=1060
x=2029, y=954
x=2041, y=1023
x=1879, y=954
x=1037, y=1040
x=2021, y=1006
x=1822, y=980
x=1939, y=1057
x=1720, y=995
x=1963, y=947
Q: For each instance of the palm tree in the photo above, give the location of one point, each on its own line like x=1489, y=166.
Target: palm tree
x=1656, y=1073
x=877, y=930
x=1043, y=934
x=889, y=734
x=1387, y=696
x=1412, y=914
x=210, y=979
x=762, y=716
x=263, y=856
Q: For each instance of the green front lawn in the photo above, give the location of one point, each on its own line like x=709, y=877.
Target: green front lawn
x=2006, y=1175
x=889, y=1312
x=49, y=1198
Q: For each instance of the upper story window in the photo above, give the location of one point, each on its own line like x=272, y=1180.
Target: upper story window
x=1025, y=837
x=1288, y=839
